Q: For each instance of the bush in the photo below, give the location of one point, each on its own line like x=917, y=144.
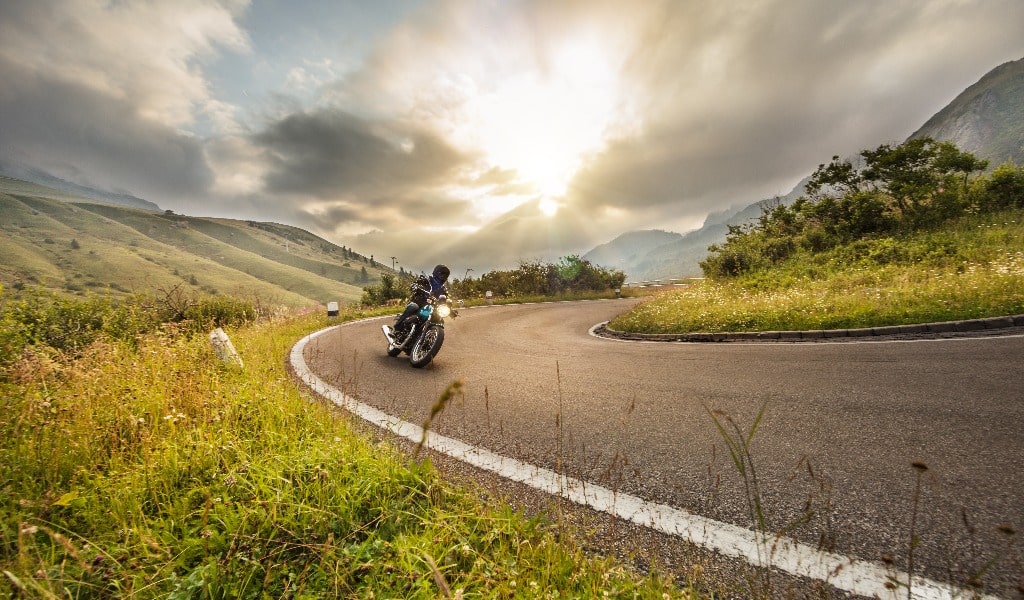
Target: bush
x=571, y=274
x=222, y=311
x=44, y=320
x=1003, y=189
x=917, y=186
x=389, y=289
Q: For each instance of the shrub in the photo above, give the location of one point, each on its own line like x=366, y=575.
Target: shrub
x=221, y=311
x=1003, y=189
x=44, y=320
x=389, y=289
x=919, y=185
x=571, y=274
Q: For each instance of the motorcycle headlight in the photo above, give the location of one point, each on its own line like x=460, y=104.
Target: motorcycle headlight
x=443, y=310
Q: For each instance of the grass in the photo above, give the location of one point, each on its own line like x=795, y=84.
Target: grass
x=150, y=470
x=122, y=250
x=973, y=269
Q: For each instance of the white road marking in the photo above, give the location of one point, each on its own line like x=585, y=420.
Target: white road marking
x=863, y=578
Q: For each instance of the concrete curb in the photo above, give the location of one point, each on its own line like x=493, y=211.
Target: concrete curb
x=1006, y=325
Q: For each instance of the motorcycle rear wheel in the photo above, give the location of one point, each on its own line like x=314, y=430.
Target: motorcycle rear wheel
x=426, y=347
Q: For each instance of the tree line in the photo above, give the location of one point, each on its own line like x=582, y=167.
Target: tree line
x=916, y=185
x=570, y=275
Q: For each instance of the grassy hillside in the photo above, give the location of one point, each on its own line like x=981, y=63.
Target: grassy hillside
x=52, y=240
x=973, y=268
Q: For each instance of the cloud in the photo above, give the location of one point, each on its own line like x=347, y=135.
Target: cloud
x=716, y=105
x=141, y=52
x=105, y=92
x=737, y=105
x=79, y=132
x=329, y=153
x=344, y=174
x=438, y=130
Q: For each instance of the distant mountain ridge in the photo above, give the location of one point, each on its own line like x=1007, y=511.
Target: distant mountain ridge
x=651, y=255
x=53, y=184
x=986, y=119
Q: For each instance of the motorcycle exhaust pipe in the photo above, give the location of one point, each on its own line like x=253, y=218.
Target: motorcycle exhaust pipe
x=388, y=334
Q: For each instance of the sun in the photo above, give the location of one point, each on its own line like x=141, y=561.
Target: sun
x=548, y=207
x=544, y=123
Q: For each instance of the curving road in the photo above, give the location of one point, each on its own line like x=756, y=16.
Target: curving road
x=842, y=425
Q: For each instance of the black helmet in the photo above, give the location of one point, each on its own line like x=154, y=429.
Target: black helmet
x=442, y=272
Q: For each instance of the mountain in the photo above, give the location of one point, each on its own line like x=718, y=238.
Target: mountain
x=626, y=250
x=52, y=239
x=649, y=255
x=50, y=186
x=986, y=119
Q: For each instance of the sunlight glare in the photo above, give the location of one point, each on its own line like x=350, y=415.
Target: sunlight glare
x=548, y=207
x=543, y=124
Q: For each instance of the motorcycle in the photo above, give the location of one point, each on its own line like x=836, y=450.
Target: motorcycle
x=421, y=334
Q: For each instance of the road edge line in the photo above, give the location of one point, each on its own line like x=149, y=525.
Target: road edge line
x=863, y=578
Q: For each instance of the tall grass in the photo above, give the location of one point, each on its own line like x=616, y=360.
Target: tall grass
x=974, y=269
x=151, y=470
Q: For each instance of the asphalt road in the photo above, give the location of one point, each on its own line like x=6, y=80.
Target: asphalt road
x=842, y=426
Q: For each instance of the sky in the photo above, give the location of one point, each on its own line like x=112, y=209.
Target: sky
x=479, y=133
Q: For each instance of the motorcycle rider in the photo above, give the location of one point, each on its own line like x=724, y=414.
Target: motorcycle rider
x=435, y=283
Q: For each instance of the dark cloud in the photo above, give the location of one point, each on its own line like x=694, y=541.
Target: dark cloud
x=737, y=106
x=75, y=131
x=332, y=153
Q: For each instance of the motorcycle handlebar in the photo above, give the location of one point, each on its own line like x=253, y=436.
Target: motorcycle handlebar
x=419, y=288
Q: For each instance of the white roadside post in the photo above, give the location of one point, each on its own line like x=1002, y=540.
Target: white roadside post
x=224, y=348
x=332, y=309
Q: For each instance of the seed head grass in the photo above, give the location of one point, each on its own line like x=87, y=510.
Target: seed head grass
x=151, y=470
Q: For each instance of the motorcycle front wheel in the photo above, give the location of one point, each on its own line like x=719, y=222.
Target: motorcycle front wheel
x=426, y=347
